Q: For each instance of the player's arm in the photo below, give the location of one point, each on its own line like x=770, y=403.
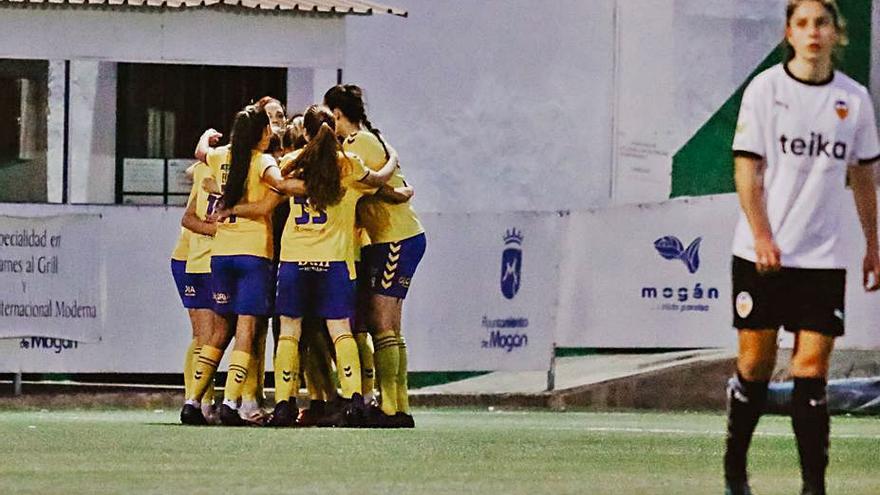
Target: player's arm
x=255, y=211
x=861, y=178
x=209, y=138
x=395, y=195
x=192, y=222
x=289, y=186
x=376, y=178
x=749, y=179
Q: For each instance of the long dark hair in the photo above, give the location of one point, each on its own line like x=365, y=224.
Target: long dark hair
x=318, y=161
x=349, y=99
x=247, y=131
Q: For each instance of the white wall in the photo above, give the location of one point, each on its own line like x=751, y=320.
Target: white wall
x=494, y=105
x=92, y=146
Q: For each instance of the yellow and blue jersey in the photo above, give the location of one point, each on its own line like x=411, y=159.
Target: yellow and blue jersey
x=236, y=235
x=328, y=235
x=199, y=257
x=403, y=222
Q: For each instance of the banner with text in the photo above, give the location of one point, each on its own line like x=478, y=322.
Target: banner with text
x=50, y=277
x=484, y=297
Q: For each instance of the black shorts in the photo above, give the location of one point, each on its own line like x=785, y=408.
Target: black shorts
x=793, y=298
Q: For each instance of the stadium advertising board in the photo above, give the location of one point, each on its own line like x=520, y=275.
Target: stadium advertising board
x=50, y=278
x=658, y=276
x=484, y=297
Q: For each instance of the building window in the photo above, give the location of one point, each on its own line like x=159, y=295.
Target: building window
x=23, y=128
x=162, y=111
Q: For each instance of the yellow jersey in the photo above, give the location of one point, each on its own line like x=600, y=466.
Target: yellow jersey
x=329, y=235
x=403, y=221
x=236, y=235
x=181, y=248
x=199, y=258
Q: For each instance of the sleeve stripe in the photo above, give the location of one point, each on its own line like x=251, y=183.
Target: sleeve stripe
x=747, y=154
x=868, y=161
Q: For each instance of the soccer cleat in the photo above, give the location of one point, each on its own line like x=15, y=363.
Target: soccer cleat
x=282, y=416
x=252, y=413
x=404, y=420
x=192, y=415
x=353, y=414
x=229, y=416
x=209, y=411
x=737, y=488
x=313, y=415
x=812, y=489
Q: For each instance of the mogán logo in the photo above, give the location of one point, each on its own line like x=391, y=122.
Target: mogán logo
x=511, y=263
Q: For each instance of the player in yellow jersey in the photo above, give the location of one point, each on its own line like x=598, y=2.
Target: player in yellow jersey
x=316, y=275
x=390, y=261
x=198, y=292
x=241, y=268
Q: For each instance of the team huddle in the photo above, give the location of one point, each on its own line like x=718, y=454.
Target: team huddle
x=304, y=221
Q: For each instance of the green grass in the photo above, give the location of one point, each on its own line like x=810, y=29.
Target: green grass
x=450, y=452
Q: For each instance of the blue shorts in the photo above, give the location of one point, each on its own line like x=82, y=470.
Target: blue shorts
x=319, y=289
x=242, y=285
x=390, y=266
x=194, y=288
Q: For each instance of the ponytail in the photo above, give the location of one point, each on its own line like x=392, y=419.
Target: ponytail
x=319, y=160
x=247, y=132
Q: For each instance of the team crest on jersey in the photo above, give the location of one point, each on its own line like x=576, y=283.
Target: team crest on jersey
x=511, y=263
x=841, y=108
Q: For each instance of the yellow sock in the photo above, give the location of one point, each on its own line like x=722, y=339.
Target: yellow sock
x=188, y=369
x=203, y=376
x=368, y=367
x=238, y=372
x=402, y=385
x=286, y=368
x=348, y=365
x=253, y=390
x=388, y=366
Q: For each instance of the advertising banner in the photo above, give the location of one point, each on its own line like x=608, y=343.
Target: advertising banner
x=50, y=277
x=484, y=297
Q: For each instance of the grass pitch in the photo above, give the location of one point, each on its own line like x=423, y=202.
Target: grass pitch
x=450, y=452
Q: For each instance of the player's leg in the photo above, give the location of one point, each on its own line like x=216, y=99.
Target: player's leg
x=809, y=407
x=317, y=370
x=286, y=371
x=336, y=302
x=291, y=300
x=757, y=319
x=817, y=298
x=252, y=301
x=387, y=354
x=252, y=394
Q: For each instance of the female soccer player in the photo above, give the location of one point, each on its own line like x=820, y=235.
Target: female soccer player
x=317, y=275
x=390, y=261
x=802, y=126
x=242, y=252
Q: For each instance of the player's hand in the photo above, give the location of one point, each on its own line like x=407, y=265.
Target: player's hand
x=871, y=271
x=213, y=136
x=220, y=215
x=768, y=257
x=210, y=185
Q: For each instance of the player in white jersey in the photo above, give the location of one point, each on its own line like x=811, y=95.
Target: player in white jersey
x=802, y=128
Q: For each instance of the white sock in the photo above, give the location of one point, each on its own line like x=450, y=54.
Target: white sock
x=230, y=403
x=192, y=402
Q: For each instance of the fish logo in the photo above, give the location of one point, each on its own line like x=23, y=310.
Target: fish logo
x=670, y=248
x=511, y=263
x=841, y=108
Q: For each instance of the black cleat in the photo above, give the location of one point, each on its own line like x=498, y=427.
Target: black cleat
x=737, y=488
x=192, y=415
x=353, y=414
x=404, y=420
x=374, y=417
x=282, y=416
x=812, y=489
x=313, y=415
x=229, y=416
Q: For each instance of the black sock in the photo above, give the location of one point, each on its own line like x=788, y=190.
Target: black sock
x=746, y=401
x=809, y=417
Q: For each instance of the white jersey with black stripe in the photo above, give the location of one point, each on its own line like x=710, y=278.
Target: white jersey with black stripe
x=808, y=133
